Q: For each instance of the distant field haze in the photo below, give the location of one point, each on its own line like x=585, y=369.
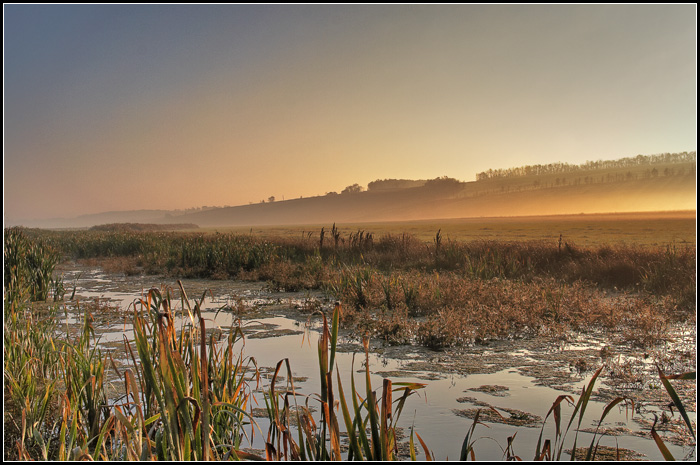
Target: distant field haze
x=618, y=188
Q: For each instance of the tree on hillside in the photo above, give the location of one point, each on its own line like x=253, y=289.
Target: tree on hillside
x=354, y=189
x=557, y=168
x=393, y=184
x=443, y=184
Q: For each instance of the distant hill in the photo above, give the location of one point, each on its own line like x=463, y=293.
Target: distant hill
x=113, y=217
x=142, y=227
x=467, y=200
x=86, y=221
x=644, y=183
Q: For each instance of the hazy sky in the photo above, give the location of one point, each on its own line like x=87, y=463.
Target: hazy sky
x=149, y=107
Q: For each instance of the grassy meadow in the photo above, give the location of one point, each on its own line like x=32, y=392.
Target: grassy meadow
x=437, y=284
x=645, y=229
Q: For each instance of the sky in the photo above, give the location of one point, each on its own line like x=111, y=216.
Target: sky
x=129, y=107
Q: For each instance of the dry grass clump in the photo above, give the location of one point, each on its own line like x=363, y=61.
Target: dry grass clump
x=400, y=249
x=607, y=453
x=647, y=322
x=446, y=328
x=456, y=310
x=392, y=326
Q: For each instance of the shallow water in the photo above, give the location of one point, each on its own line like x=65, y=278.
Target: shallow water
x=277, y=325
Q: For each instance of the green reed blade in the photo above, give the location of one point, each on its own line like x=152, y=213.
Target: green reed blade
x=660, y=443
x=674, y=396
x=590, y=455
x=349, y=426
x=205, y=433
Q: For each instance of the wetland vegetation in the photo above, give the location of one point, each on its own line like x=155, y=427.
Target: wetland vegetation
x=187, y=392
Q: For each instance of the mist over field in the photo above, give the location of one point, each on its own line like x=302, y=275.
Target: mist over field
x=644, y=184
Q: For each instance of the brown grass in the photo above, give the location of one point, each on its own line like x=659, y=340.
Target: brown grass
x=439, y=293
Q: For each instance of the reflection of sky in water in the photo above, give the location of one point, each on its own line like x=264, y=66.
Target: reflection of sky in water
x=431, y=411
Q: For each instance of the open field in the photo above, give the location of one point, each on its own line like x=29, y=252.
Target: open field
x=647, y=228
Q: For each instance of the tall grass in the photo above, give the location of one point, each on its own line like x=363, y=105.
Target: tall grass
x=187, y=392
x=679, y=406
x=463, y=291
x=30, y=375
x=83, y=368
x=194, y=389
x=321, y=441
x=30, y=352
x=662, y=271
x=552, y=450
x=28, y=268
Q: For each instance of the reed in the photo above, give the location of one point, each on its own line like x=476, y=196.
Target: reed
x=321, y=440
x=666, y=270
x=28, y=268
x=679, y=406
x=525, y=288
x=187, y=392
x=83, y=370
x=195, y=390
x=30, y=359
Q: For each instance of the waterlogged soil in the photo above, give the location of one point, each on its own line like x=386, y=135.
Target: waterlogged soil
x=512, y=383
x=606, y=453
x=506, y=416
x=494, y=390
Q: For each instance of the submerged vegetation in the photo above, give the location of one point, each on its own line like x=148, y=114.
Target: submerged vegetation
x=187, y=392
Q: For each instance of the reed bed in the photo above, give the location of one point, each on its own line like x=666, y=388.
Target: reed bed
x=184, y=395
x=28, y=267
x=370, y=421
x=438, y=294
x=187, y=394
x=666, y=270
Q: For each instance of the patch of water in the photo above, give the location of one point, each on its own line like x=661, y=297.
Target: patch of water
x=520, y=379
